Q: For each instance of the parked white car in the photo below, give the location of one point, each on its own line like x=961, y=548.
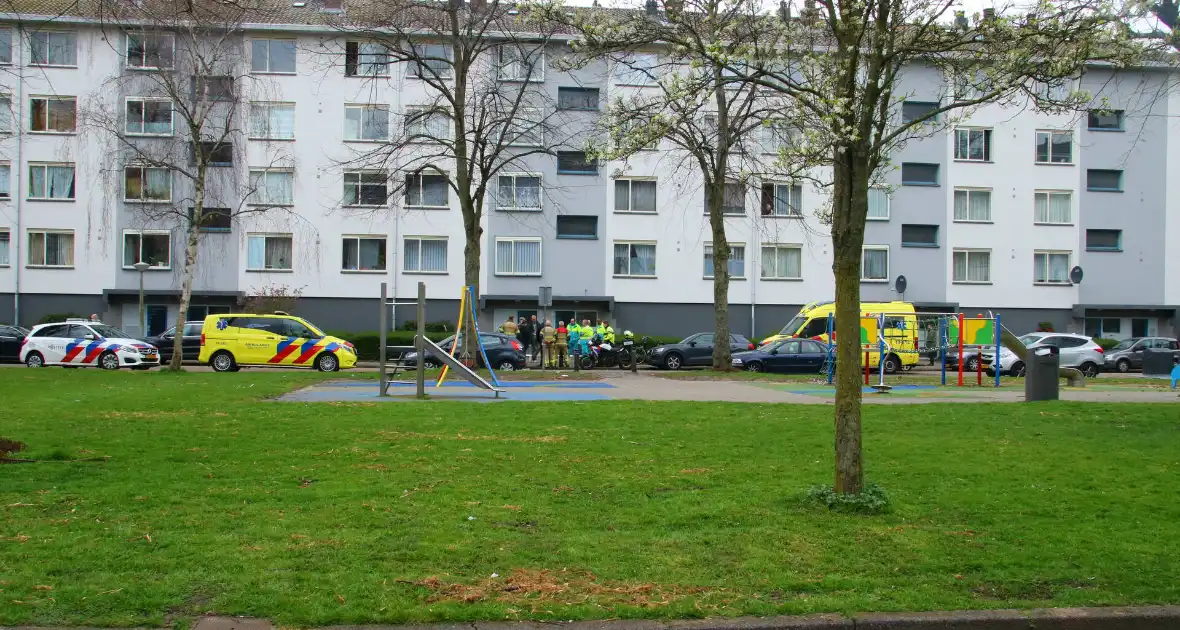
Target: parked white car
x=86, y=343
x=1076, y=351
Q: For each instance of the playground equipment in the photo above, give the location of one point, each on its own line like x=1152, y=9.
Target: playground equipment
x=388, y=315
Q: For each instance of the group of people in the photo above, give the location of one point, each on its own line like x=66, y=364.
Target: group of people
x=556, y=345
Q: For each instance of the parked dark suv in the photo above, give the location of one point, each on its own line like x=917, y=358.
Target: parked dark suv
x=504, y=352
x=191, y=347
x=1128, y=354
x=693, y=350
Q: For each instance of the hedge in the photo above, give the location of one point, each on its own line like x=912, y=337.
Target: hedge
x=1106, y=344
x=57, y=318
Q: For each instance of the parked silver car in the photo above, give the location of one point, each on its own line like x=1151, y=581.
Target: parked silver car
x=1077, y=351
x=1128, y=355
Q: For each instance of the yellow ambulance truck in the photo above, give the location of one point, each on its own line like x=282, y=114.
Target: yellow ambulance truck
x=901, y=331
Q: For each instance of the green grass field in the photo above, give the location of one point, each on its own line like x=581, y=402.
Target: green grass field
x=196, y=494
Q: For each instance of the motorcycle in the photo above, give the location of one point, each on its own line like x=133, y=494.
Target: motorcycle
x=602, y=353
x=629, y=349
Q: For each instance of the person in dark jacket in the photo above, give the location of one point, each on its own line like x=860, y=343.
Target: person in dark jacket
x=525, y=334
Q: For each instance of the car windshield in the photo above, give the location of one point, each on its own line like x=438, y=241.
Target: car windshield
x=313, y=328
x=1029, y=340
x=793, y=326
x=1124, y=345
x=109, y=331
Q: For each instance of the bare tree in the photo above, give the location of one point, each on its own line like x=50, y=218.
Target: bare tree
x=176, y=120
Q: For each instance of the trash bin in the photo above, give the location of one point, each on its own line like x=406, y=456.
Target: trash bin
x=1157, y=361
x=1040, y=379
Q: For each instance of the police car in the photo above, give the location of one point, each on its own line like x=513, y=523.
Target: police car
x=86, y=343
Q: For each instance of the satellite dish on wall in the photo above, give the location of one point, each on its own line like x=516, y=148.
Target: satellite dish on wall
x=899, y=285
x=1075, y=275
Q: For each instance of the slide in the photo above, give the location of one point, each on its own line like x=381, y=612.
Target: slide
x=1074, y=376
x=455, y=364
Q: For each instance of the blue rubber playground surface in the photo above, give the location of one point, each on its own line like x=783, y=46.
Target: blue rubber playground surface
x=532, y=391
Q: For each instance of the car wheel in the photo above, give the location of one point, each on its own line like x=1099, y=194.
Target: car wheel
x=506, y=366
x=754, y=366
x=1017, y=369
x=223, y=361
x=972, y=365
x=1089, y=369
x=673, y=361
x=108, y=361
x=892, y=364
x=327, y=362
x=35, y=360
x=1123, y=365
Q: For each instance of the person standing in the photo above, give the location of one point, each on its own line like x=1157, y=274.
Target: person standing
x=575, y=332
x=523, y=334
x=537, y=326
x=509, y=327
x=548, y=337
x=560, y=342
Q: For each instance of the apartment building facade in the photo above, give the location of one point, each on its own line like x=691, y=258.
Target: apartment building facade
x=990, y=214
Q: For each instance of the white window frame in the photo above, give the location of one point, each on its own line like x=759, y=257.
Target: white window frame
x=47, y=99
x=427, y=173
x=1049, y=194
x=358, y=238
x=888, y=204
x=127, y=51
x=361, y=129
x=382, y=67
x=141, y=234
x=360, y=174
x=142, y=179
x=265, y=107
x=416, y=67
x=1046, y=90
x=420, y=240
x=966, y=252
x=46, y=166
x=629, y=274
x=798, y=212
x=6, y=192
x=1047, y=253
x=11, y=37
x=777, y=134
x=631, y=73
x=6, y=117
x=969, y=191
x=268, y=235
x=987, y=133
x=631, y=198
x=516, y=239
x=538, y=69
x=417, y=121
x=268, y=69
x=5, y=247
x=536, y=126
x=708, y=247
x=1051, y=133
x=255, y=199
x=144, y=100
x=776, y=247
x=48, y=62
x=44, y=252
x=884, y=248
x=516, y=208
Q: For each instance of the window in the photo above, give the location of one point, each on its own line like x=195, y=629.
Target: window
x=733, y=200
x=48, y=248
x=916, y=174
x=272, y=188
x=1105, y=120
x=577, y=226
x=5, y=180
x=1104, y=240
x=973, y=205
x=365, y=188
x=266, y=252
x=518, y=257
x=1053, y=91
x=782, y=262
x=973, y=145
x=576, y=163
x=54, y=49
x=519, y=64
x=919, y=235
x=5, y=110
x=518, y=192
x=366, y=122
x=149, y=116
x=272, y=55
x=213, y=88
x=635, y=195
x=737, y=261
x=1054, y=147
x=878, y=204
x=526, y=128
x=1099, y=180
x=1139, y=327
x=1051, y=267
x=364, y=253
x=213, y=219
x=365, y=59
x=149, y=51
x=54, y=114
x=635, y=259
x=424, y=254
x=972, y=266
x=1053, y=207
x=272, y=121
x=913, y=110
x=1102, y=326
x=874, y=263
x=5, y=45
x=782, y=200
x=434, y=61
x=426, y=125
x=147, y=185
x=777, y=135
x=51, y=181
x=1112, y=325
x=424, y=190
x=637, y=69
x=214, y=153
x=154, y=248
x=577, y=98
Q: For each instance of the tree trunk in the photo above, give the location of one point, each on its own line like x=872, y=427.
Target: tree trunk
x=190, y=267
x=473, y=233
x=722, y=359
x=849, y=208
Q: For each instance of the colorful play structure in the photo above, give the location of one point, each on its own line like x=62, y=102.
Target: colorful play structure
x=904, y=335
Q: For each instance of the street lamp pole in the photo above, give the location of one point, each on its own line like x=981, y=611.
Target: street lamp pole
x=142, y=267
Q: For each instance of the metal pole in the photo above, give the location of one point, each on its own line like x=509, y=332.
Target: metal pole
x=996, y=361
x=143, y=316
x=881, y=348
x=383, y=325
x=960, y=349
x=830, y=344
x=942, y=345
x=419, y=344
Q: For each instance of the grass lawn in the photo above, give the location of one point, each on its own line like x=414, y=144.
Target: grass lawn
x=201, y=496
